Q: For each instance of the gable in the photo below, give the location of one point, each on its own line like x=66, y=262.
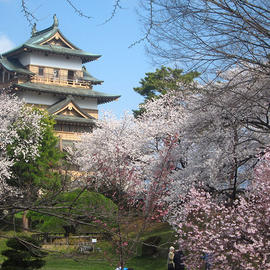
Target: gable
x=58, y=40
x=71, y=110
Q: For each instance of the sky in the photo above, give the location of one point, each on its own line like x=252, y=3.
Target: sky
x=120, y=67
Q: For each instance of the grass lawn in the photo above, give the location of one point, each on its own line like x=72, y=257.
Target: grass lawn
x=97, y=261
x=66, y=259
x=62, y=257
x=91, y=264
x=54, y=263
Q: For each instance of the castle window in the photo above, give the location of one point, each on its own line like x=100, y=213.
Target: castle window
x=6, y=76
x=56, y=73
x=70, y=74
x=41, y=71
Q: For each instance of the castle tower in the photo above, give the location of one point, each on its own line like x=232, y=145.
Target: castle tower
x=47, y=71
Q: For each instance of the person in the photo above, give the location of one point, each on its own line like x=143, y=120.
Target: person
x=207, y=260
x=170, y=259
x=178, y=260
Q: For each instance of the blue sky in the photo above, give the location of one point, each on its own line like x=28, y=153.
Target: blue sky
x=121, y=68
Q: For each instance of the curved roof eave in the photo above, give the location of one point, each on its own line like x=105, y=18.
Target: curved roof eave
x=72, y=119
x=64, y=91
x=86, y=57
x=14, y=66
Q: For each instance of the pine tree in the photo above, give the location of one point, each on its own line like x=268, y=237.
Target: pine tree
x=23, y=254
x=161, y=81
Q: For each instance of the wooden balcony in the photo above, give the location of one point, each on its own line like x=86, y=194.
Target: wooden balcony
x=62, y=81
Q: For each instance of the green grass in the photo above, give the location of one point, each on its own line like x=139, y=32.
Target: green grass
x=61, y=263
x=148, y=263
x=64, y=257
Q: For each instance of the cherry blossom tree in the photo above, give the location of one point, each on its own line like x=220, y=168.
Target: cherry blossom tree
x=235, y=235
x=128, y=161
x=223, y=214
x=226, y=128
x=28, y=159
x=15, y=117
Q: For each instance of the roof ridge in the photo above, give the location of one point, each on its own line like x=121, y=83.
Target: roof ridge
x=43, y=31
x=54, y=25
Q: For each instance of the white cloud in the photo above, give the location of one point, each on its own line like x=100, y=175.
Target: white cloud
x=5, y=43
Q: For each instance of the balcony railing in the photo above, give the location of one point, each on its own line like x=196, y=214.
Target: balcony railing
x=63, y=81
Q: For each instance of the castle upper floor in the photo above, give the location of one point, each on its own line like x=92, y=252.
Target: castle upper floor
x=48, y=57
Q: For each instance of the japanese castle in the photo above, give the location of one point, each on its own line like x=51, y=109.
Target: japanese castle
x=47, y=71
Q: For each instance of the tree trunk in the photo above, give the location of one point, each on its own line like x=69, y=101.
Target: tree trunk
x=25, y=221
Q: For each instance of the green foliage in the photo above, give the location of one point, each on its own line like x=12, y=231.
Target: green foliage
x=149, y=248
x=39, y=173
x=161, y=81
x=23, y=253
x=78, y=205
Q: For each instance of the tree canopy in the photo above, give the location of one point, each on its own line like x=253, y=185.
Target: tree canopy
x=73, y=206
x=163, y=80
x=30, y=158
x=38, y=173
x=20, y=133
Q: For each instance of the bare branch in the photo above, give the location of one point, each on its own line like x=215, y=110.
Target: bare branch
x=27, y=13
x=208, y=34
x=116, y=7
x=78, y=11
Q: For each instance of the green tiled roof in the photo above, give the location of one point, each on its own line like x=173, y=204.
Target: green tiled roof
x=14, y=65
x=85, y=56
x=64, y=91
x=73, y=119
x=45, y=34
x=88, y=77
x=42, y=36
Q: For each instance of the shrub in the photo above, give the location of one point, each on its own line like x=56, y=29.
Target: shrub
x=23, y=253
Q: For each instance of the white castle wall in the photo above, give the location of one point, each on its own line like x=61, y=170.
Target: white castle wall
x=49, y=99
x=34, y=98
x=57, y=61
